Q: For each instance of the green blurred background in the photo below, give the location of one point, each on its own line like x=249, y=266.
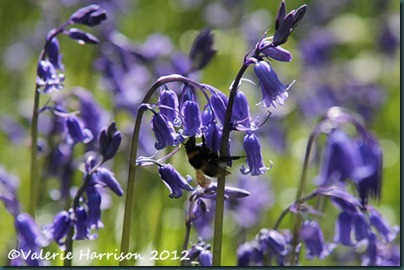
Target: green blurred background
x=158, y=221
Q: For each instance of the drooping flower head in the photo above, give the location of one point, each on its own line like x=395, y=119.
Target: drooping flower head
x=202, y=49
x=174, y=181
x=343, y=229
x=168, y=102
x=250, y=254
x=48, y=79
x=8, y=192
x=368, y=178
x=30, y=238
x=60, y=226
x=341, y=158
x=200, y=253
x=76, y=132
x=273, y=91
x=54, y=55
x=94, y=207
x=192, y=118
x=312, y=236
x=252, y=147
x=241, y=111
x=164, y=131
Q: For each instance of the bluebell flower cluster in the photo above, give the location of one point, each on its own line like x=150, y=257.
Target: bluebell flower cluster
x=201, y=206
x=348, y=160
x=199, y=254
x=267, y=241
x=85, y=214
x=358, y=160
x=30, y=238
x=50, y=67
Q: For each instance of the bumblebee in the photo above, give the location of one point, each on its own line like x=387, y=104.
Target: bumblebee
x=205, y=161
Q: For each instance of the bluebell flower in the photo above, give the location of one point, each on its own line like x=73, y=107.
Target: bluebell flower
x=250, y=254
x=255, y=163
x=29, y=235
x=212, y=131
x=274, y=241
x=8, y=192
x=273, y=91
x=174, y=181
x=202, y=50
x=368, y=177
x=48, y=79
x=164, y=131
x=341, y=158
x=60, y=226
x=380, y=224
x=58, y=159
x=197, y=209
x=192, y=118
x=390, y=255
x=388, y=39
x=90, y=15
x=109, y=141
x=205, y=258
x=361, y=226
x=343, y=229
x=277, y=53
x=75, y=132
x=94, y=210
x=312, y=236
x=187, y=93
x=82, y=230
x=81, y=37
x=203, y=224
x=30, y=238
x=54, y=55
x=168, y=102
x=107, y=178
x=370, y=258
x=241, y=111
x=91, y=113
x=200, y=253
x=218, y=101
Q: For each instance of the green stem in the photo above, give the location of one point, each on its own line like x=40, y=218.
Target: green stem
x=300, y=192
x=221, y=181
x=127, y=219
x=34, y=151
x=287, y=210
x=34, y=129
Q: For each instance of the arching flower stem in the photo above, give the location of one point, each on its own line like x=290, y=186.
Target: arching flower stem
x=127, y=219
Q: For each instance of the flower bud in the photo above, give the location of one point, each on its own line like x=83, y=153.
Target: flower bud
x=91, y=15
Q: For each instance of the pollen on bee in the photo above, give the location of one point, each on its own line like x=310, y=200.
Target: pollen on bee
x=202, y=179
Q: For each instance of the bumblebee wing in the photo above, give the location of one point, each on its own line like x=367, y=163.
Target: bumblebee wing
x=213, y=169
